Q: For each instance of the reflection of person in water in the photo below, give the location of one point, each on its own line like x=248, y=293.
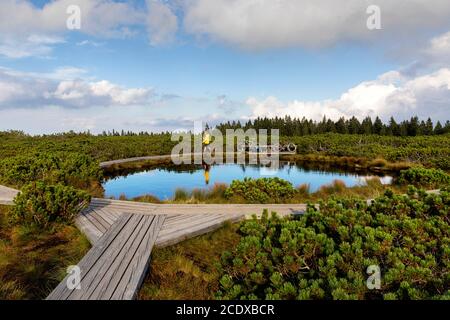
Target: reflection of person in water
x=206, y=141
x=206, y=168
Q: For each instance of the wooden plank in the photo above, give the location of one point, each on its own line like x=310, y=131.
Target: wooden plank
x=99, y=268
x=136, y=271
x=89, y=230
x=119, y=209
x=111, y=277
x=106, y=215
x=100, y=219
x=189, y=223
x=184, y=219
x=134, y=159
x=99, y=272
x=114, y=214
x=133, y=204
x=61, y=292
x=181, y=235
x=92, y=219
x=115, y=267
x=173, y=237
x=173, y=217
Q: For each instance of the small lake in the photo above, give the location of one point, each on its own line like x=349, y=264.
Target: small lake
x=162, y=182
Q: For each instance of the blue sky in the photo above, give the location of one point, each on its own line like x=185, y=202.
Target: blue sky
x=159, y=65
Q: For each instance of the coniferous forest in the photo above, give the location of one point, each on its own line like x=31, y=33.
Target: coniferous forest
x=301, y=127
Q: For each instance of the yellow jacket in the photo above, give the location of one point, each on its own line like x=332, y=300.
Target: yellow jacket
x=206, y=138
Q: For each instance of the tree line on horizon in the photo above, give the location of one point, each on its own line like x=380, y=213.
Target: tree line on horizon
x=289, y=126
x=301, y=127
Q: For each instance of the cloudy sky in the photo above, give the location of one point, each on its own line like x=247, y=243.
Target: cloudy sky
x=162, y=64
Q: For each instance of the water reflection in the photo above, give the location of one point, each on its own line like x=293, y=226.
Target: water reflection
x=163, y=181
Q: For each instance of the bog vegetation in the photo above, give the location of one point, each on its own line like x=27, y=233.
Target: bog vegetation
x=39, y=204
x=427, y=178
x=263, y=190
x=324, y=254
x=320, y=255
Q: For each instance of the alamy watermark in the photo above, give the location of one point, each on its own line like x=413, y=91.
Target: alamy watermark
x=73, y=22
x=373, y=22
x=207, y=148
x=374, y=19
x=73, y=281
x=374, y=280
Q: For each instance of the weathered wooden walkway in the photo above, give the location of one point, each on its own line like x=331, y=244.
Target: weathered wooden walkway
x=183, y=221
x=165, y=157
x=113, y=162
x=116, y=265
x=123, y=234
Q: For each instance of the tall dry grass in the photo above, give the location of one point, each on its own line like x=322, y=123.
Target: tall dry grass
x=189, y=270
x=34, y=261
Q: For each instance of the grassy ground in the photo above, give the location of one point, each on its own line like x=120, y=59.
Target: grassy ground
x=33, y=262
x=188, y=270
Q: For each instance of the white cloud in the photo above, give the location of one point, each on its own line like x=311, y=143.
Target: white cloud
x=433, y=54
x=440, y=46
x=261, y=24
x=248, y=24
x=390, y=95
x=22, y=47
x=162, y=23
x=99, y=17
x=64, y=87
x=90, y=43
x=27, y=30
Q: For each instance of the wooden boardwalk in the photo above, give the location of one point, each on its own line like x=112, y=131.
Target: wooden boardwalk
x=183, y=221
x=116, y=265
x=113, y=162
x=123, y=234
x=106, y=164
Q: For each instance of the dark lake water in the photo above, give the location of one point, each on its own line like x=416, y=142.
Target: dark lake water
x=163, y=182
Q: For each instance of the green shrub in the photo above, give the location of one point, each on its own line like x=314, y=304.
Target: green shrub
x=263, y=190
x=426, y=178
x=75, y=169
x=324, y=254
x=41, y=204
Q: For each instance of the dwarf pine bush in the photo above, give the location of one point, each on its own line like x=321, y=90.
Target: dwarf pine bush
x=40, y=204
x=427, y=178
x=263, y=190
x=324, y=254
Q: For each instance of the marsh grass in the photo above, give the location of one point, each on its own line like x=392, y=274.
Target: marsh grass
x=147, y=198
x=303, y=194
x=371, y=189
x=189, y=270
x=348, y=163
x=33, y=261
